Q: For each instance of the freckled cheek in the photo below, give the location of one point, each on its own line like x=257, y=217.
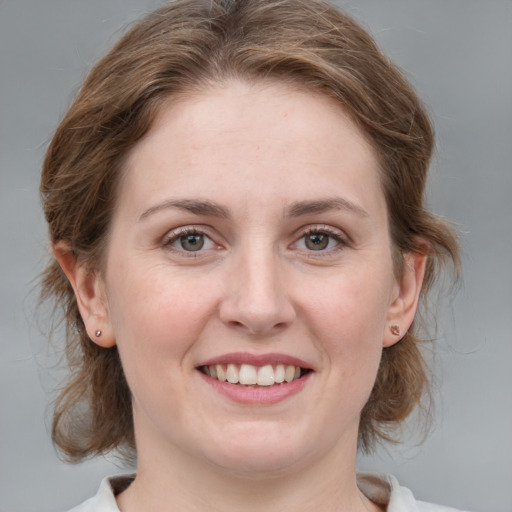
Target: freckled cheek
x=155, y=316
x=347, y=317
x=350, y=340
x=154, y=337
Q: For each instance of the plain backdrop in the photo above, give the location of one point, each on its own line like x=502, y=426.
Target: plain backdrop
x=457, y=53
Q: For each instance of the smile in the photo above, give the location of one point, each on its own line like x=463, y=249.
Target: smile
x=251, y=375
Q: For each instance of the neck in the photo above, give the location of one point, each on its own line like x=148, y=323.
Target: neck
x=179, y=481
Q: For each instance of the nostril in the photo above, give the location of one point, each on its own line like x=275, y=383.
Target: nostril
x=253, y=328
x=235, y=323
x=256, y=313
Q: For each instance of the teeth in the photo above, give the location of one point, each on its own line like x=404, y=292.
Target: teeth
x=266, y=375
x=249, y=375
x=232, y=374
x=221, y=373
x=279, y=373
x=289, y=373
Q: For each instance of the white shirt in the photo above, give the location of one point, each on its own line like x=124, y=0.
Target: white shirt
x=381, y=489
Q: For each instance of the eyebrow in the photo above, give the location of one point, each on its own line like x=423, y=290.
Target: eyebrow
x=297, y=209
x=207, y=208
x=300, y=208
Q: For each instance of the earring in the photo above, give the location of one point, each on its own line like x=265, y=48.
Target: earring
x=395, y=330
x=98, y=333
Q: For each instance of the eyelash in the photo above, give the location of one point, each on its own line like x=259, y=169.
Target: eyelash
x=341, y=241
x=172, y=237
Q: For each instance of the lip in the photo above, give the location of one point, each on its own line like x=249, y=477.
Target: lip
x=260, y=395
x=256, y=360
x=263, y=395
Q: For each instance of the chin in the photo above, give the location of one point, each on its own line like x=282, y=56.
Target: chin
x=256, y=464
x=258, y=450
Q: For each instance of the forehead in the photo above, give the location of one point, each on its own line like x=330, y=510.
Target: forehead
x=265, y=109
x=264, y=136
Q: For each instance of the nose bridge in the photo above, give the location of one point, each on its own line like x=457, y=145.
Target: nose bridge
x=257, y=299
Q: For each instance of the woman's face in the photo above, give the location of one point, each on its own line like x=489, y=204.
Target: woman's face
x=250, y=242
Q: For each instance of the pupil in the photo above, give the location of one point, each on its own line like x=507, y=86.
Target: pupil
x=192, y=242
x=317, y=241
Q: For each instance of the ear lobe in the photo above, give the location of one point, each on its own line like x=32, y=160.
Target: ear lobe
x=405, y=303
x=90, y=295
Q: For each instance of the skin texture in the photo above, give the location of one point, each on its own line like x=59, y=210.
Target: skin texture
x=257, y=287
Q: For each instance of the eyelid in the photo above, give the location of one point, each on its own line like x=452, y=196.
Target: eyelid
x=340, y=236
x=174, y=234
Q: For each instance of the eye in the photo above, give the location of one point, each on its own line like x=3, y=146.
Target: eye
x=320, y=240
x=194, y=242
x=317, y=241
x=189, y=240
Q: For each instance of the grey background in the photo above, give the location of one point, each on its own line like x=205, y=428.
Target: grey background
x=458, y=55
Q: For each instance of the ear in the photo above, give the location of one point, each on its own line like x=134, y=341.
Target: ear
x=90, y=295
x=405, y=299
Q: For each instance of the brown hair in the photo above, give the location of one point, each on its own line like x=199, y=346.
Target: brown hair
x=183, y=47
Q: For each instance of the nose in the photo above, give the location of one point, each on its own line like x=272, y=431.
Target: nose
x=256, y=301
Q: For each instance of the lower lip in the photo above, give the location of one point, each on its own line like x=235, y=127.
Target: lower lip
x=260, y=395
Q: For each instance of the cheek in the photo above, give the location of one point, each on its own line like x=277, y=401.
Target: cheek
x=348, y=316
x=156, y=316
x=354, y=304
x=156, y=320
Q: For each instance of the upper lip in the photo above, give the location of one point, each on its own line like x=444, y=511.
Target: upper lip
x=256, y=359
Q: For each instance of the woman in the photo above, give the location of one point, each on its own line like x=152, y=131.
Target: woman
x=235, y=203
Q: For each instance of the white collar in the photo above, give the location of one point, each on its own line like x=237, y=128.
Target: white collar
x=382, y=489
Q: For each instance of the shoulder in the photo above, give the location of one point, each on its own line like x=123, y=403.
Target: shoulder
x=105, y=500
x=385, y=490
